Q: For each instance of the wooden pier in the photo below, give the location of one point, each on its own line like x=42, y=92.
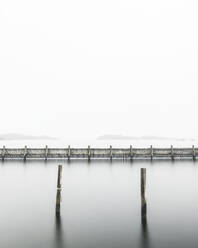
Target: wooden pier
x=89, y=153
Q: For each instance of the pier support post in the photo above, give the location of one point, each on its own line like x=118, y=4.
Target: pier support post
x=151, y=148
x=69, y=153
x=46, y=153
x=131, y=153
x=172, y=153
x=111, y=155
x=58, y=194
x=25, y=154
x=193, y=153
x=143, y=189
x=89, y=153
x=3, y=153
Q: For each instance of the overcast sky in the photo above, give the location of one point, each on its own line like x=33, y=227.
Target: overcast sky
x=82, y=69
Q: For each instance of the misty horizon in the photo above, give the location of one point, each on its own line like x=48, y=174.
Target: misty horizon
x=20, y=136
x=17, y=136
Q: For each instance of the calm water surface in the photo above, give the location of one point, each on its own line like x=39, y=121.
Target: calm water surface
x=100, y=205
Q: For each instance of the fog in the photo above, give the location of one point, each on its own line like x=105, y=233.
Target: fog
x=88, y=68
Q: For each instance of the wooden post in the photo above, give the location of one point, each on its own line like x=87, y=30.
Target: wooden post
x=193, y=152
x=25, y=154
x=3, y=153
x=46, y=152
x=151, y=152
x=131, y=153
x=143, y=188
x=59, y=177
x=69, y=153
x=58, y=194
x=111, y=155
x=89, y=153
x=172, y=153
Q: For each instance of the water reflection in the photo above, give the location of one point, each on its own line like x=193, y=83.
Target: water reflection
x=59, y=237
x=144, y=228
x=144, y=237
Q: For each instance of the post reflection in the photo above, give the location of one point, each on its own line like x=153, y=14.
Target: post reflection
x=144, y=227
x=59, y=237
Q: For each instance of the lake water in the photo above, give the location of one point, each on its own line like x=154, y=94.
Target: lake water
x=101, y=205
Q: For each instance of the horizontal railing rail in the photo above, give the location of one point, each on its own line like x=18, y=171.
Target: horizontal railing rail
x=98, y=153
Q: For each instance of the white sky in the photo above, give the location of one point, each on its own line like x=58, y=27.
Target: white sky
x=82, y=69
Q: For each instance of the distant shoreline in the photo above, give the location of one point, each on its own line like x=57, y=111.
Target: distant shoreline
x=14, y=136
x=125, y=137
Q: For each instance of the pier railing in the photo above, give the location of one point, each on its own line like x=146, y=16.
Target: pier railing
x=99, y=153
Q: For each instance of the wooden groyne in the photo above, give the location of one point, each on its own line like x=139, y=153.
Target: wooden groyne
x=98, y=153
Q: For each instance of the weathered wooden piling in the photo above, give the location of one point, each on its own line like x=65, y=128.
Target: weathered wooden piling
x=131, y=152
x=172, y=153
x=25, y=154
x=110, y=153
x=3, y=153
x=69, y=153
x=193, y=153
x=143, y=189
x=151, y=152
x=46, y=152
x=59, y=176
x=89, y=153
x=58, y=193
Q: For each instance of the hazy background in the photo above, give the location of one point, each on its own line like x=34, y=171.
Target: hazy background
x=87, y=68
